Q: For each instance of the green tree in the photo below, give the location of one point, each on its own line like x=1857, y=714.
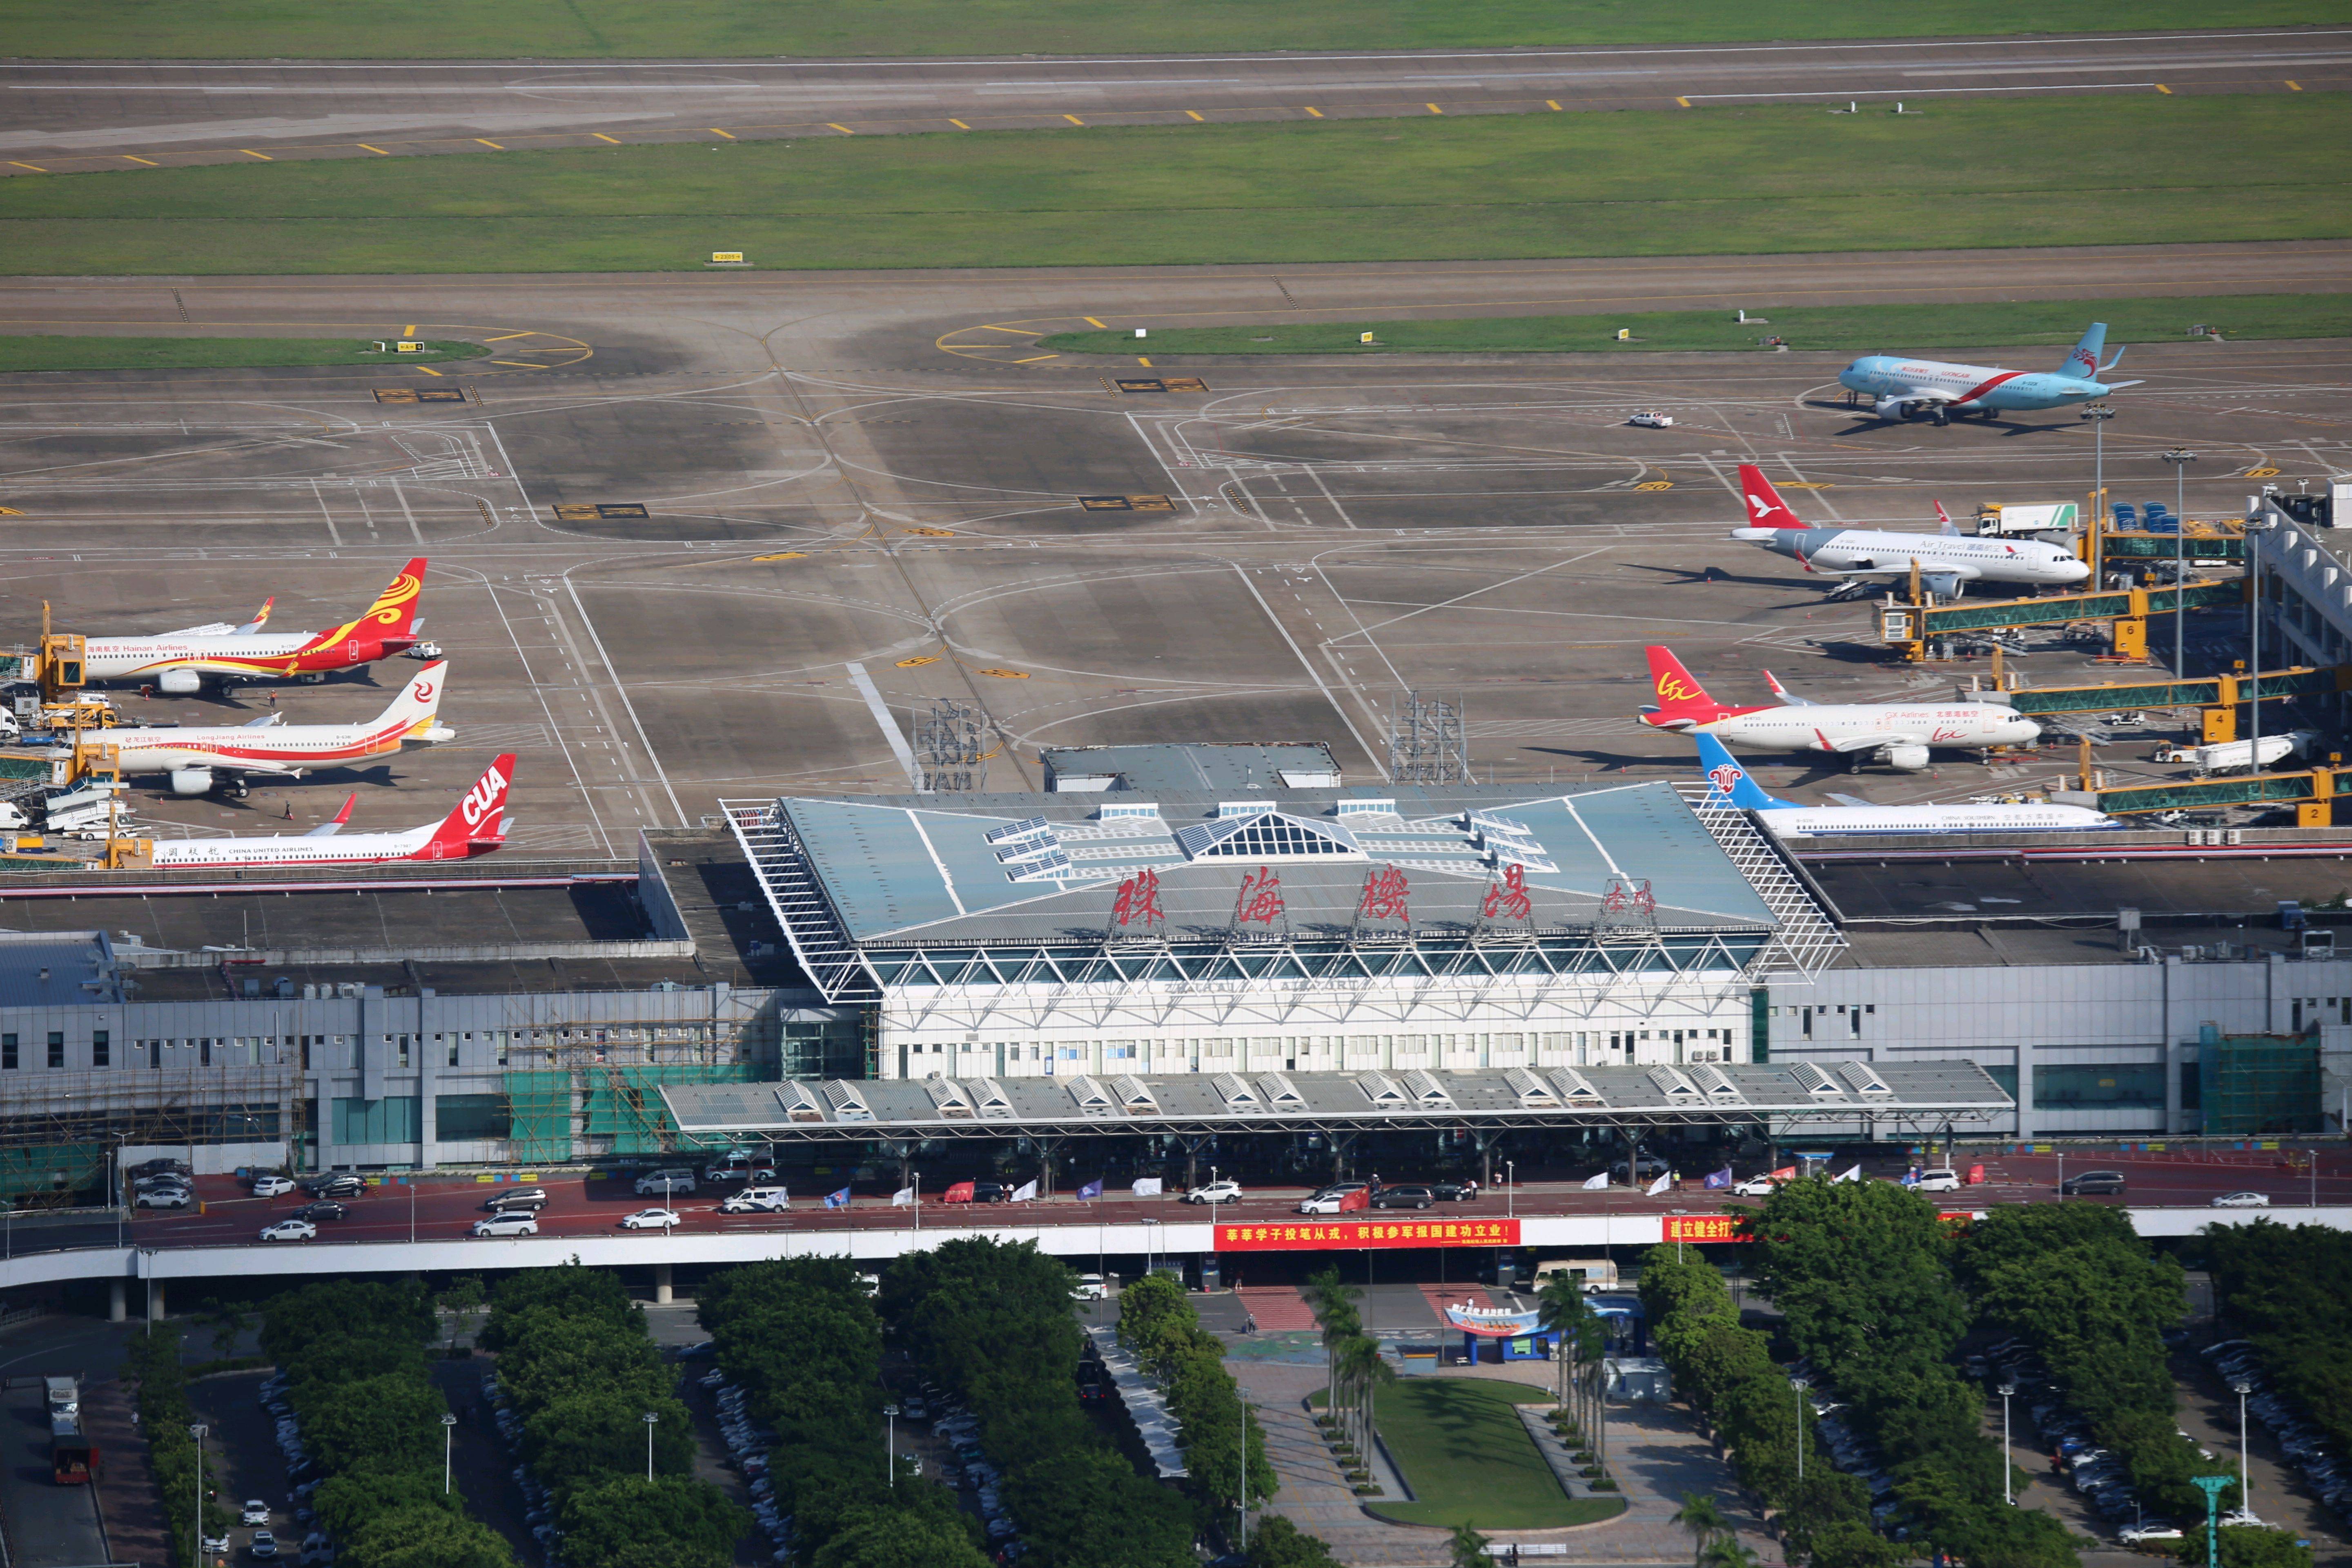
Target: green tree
x=228, y=1321
x=1861, y=1272
x=461, y=1298
x=1726, y=1551
x=1704, y=1519
x=390, y=1422
x=698, y=1527
x=1333, y=1301
x=1276, y=1542
x=347, y=1505
x=1562, y=1310
x=1467, y=1548
x=2248, y=1546
x=888, y=1538
x=1086, y=1507
x=422, y=1536
x=577, y=1440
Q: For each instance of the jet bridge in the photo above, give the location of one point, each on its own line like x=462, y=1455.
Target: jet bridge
x=1912, y=625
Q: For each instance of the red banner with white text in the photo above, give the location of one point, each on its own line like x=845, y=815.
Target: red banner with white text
x=1311, y=1234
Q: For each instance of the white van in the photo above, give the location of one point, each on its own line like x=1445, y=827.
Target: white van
x=757, y=1200
x=1600, y=1273
x=663, y=1183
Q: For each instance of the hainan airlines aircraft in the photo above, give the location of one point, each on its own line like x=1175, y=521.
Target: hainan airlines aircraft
x=1901, y=734
x=1946, y=560
x=181, y=662
x=475, y=826
x=202, y=760
x=1730, y=783
x=1905, y=388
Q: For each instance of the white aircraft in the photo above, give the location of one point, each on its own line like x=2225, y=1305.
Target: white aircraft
x=1905, y=388
x=1901, y=734
x=475, y=826
x=200, y=761
x=180, y=662
x=1730, y=783
x=1946, y=560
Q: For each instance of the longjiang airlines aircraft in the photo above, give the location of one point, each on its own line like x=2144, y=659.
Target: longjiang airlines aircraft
x=202, y=760
x=1730, y=783
x=1905, y=388
x=1901, y=734
x=1946, y=560
x=180, y=662
x=477, y=826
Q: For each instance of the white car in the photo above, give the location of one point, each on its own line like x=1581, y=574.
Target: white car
x=1757, y=1187
x=1089, y=1289
x=255, y=1513
x=1320, y=1205
x=2241, y=1516
x=650, y=1219
x=511, y=1224
x=272, y=1186
x=1651, y=419
x=2148, y=1529
x=753, y=1202
x=1943, y=1179
x=165, y=1198
x=290, y=1230
x=2243, y=1201
x=662, y=1183
x=1219, y=1191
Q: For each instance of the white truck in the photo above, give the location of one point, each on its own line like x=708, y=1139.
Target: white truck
x=2237, y=756
x=2005, y=519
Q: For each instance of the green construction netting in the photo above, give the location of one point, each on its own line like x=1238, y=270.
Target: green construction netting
x=40, y=1174
x=2258, y=1085
x=626, y=1103
x=541, y=1103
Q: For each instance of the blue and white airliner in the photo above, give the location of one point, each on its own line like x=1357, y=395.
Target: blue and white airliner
x=1908, y=389
x=1728, y=784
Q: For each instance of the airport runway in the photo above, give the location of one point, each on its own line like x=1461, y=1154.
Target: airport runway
x=669, y=514
x=65, y=116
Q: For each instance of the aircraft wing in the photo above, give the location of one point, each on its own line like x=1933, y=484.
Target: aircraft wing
x=209, y=629
x=263, y=722
x=1787, y=696
x=1849, y=799
x=1845, y=743
x=2119, y=385
x=329, y=829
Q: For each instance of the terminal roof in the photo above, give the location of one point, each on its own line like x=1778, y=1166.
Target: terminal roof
x=1227, y=766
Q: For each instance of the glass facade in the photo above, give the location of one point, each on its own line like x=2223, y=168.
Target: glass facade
x=2099, y=1086
x=470, y=1118
x=388, y=1120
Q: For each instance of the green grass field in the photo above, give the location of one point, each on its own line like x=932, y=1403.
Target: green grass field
x=545, y=29
x=1858, y=328
x=23, y=354
x=1465, y=1456
x=2135, y=171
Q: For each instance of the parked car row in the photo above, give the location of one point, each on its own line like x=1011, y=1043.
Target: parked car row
x=1850, y=1450
x=959, y=1428
x=302, y=1476
x=538, y=1501
x=2327, y=1473
x=747, y=1440
x=2103, y=1477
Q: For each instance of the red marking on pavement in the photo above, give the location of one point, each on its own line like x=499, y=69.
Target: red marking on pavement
x=1278, y=1308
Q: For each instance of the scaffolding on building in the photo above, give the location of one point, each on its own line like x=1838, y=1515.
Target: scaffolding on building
x=2256, y=1084
x=59, y=1130
x=1426, y=742
x=948, y=746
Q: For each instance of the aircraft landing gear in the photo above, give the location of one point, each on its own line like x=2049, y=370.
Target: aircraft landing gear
x=234, y=789
x=1940, y=415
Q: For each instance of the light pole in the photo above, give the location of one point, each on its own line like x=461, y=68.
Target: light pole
x=1510, y=1189
x=1796, y=1385
x=448, y=1438
x=1149, y=1236
x=2212, y=1485
x=652, y=1420
x=2179, y=458
x=1241, y=1490
x=197, y=1432
x=2243, y=1388
x=890, y=1440
x=2007, y=1465
x=2098, y=413
x=2254, y=532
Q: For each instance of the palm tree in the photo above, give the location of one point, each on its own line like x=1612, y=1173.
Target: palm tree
x=1592, y=1338
x=1704, y=1520
x=1333, y=1302
x=1563, y=1312
x=1726, y=1551
x=1362, y=1369
x=1469, y=1548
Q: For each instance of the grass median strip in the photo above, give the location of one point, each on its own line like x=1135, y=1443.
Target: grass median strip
x=557, y=29
x=1857, y=329
x=1712, y=182
x=27, y=354
x=1466, y=1456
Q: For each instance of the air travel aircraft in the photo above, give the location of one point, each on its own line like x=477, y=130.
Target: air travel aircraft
x=1946, y=560
x=1730, y=783
x=1905, y=388
x=475, y=826
x=181, y=662
x=1901, y=734
x=202, y=760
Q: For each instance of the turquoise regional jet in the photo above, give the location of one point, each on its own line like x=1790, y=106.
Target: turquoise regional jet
x=1907, y=388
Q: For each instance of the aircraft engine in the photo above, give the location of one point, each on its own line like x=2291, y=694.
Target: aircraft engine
x=1910, y=758
x=193, y=780
x=180, y=682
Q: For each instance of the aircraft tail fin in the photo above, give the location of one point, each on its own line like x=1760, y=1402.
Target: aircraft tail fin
x=260, y=618
x=391, y=619
x=1787, y=696
x=329, y=829
x=475, y=823
x=2083, y=360
x=1729, y=783
x=1765, y=507
x=417, y=708
x=1950, y=530
x=1681, y=699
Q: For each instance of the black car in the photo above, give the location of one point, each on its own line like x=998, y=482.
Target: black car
x=324, y=1208
x=1404, y=1197
x=336, y=1184
x=1460, y=1192
x=990, y=1193
x=2092, y=1182
x=530, y=1198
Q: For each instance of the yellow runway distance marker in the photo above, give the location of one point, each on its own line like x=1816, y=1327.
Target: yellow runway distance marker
x=1142, y=359
x=149, y=162
x=10, y=512
x=251, y=153
x=1553, y=103
x=365, y=148
x=729, y=134
x=784, y=555
x=487, y=142
x=1092, y=322
x=2260, y=474
x=1197, y=115
x=1684, y=102
x=408, y=331
x=1074, y=119
x=2164, y=90
x=1432, y=109
x=958, y=123
x=35, y=167
x=1314, y=112
x=2295, y=86
x=430, y=372
x=602, y=137
x=919, y=661
x=844, y=130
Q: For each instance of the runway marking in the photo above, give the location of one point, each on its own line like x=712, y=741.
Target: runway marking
x=430, y=372
x=1074, y=119
x=35, y=167
x=729, y=134
x=1139, y=359
x=365, y=148
x=517, y=364
x=1033, y=359
x=844, y=130
x=602, y=137
x=1016, y=331
x=1684, y=102
x=251, y=153
x=1314, y=111
x=2164, y=90
x=1007, y=673
x=408, y=331
x=783, y=555
x=1553, y=103
x=2294, y=86
x=958, y=123
x=487, y=142
x=1092, y=322
x=874, y=705
x=1432, y=109
x=919, y=661
x=1197, y=115
x=508, y=337
x=149, y=162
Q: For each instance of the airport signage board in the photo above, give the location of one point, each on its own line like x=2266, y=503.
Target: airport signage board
x=1365, y=1235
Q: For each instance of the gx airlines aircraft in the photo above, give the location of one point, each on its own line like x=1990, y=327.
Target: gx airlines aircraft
x=1901, y=734
x=202, y=760
x=1946, y=560
x=1906, y=388
x=475, y=826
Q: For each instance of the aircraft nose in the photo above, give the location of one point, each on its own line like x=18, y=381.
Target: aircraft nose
x=2072, y=570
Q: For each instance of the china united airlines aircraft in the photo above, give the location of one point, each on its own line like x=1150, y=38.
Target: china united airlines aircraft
x=1907, y=388
x=476, y=825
